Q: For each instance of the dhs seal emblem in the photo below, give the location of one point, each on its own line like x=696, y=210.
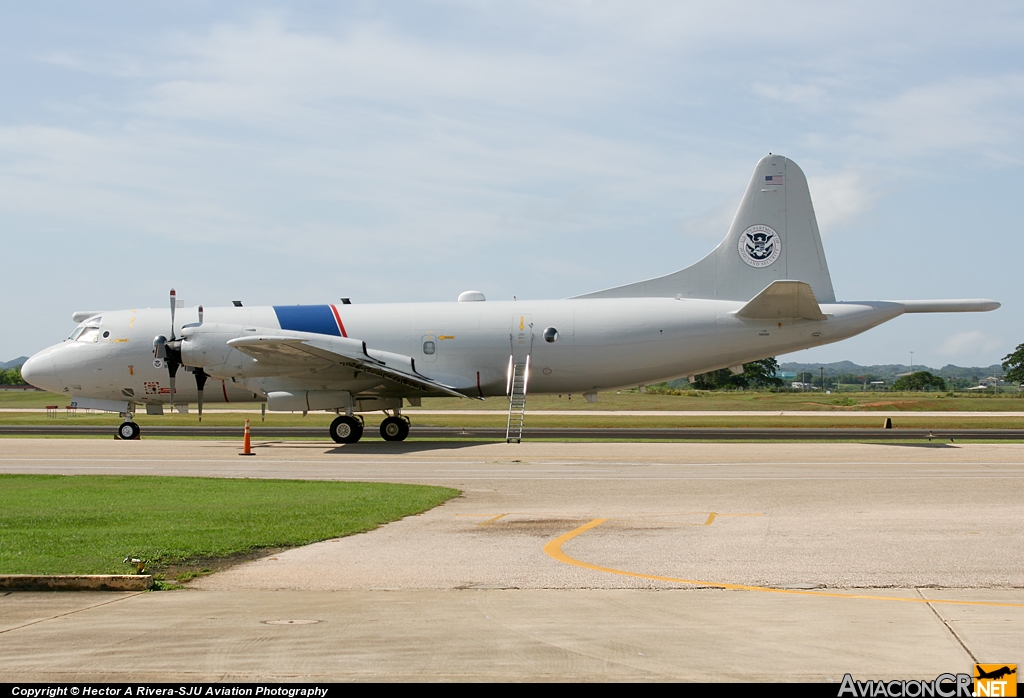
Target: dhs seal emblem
x=759, y=246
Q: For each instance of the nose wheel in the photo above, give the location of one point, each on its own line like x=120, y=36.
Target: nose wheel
x=346, y=430
x=129, y=431
x=394, y=429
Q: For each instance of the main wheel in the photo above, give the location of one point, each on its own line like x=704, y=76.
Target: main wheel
x=129, y=431
x=394, y=429
x=346, y=430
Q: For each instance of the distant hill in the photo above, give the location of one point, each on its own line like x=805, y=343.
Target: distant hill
x=889, y=372
x=13, y=363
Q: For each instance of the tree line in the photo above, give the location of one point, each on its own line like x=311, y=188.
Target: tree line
x=762, y=374
x=11, y=376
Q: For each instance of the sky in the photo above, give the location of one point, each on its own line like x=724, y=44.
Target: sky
x=407, y=151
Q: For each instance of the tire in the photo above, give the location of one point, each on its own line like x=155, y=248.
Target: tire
x=346, y=430
x=129, y=431
x=394, y=429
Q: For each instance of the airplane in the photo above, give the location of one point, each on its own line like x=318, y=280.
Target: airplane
x=764, y=291
x=996, y=674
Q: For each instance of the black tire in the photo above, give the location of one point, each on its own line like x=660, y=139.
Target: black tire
x=394, y=429
x=129, y=431
x=346, y=430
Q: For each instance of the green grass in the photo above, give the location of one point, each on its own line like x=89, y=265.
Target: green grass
x=693, y=400
x=88, y=524
x=580, y=420
x=746, y=400
x=845, y=410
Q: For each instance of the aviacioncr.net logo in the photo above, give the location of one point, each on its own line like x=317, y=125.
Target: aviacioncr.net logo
x=942, y=686
x=995, y=680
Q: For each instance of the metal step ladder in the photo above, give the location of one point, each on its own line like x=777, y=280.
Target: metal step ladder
x=518, y=376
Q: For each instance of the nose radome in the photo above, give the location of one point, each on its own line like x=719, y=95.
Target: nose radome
x=40, y=372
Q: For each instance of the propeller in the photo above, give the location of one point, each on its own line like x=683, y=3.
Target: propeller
x=174, y=356
x=170, y=351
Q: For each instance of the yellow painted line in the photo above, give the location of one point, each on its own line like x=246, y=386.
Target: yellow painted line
x=712, y=515
x=488, y=521
x=553, y=549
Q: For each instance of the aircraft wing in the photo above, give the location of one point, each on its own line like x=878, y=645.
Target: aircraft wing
x=341, y=351
x=783, y=299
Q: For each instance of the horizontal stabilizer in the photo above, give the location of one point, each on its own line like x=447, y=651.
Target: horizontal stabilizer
x=960, y=305
x=783, y=300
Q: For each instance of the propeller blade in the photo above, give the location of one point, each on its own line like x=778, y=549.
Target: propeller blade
x=174, y=302
x=172, y=368
x=201, y=377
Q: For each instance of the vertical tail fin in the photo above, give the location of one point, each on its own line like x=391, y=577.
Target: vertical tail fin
x=774, y=236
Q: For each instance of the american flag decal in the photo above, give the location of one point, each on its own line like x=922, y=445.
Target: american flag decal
x=773, y=179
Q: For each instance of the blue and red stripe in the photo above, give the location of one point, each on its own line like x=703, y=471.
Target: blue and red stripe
x=318, y=319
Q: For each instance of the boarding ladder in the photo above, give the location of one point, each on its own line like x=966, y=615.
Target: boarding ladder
x=518, y=376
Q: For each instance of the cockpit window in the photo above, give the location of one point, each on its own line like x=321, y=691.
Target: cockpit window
x=88, y=331
x=85, y=334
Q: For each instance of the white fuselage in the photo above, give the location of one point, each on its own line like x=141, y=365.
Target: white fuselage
x=601, y=344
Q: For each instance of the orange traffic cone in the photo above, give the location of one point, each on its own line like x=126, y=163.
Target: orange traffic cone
x=247, y=446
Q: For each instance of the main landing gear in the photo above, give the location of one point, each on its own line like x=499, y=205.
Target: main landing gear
x=129, y=430
x=394, y=428
x=347, y=429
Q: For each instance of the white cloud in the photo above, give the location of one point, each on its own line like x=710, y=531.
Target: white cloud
x=118, y=65
x=981, y=115
x=840, y=199
x=266, y=72
x=972, y=343
x=806, y=96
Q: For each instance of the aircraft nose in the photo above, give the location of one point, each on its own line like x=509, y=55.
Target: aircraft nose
x=41, y=372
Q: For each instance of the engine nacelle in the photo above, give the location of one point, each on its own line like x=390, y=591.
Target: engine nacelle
x=205, y=345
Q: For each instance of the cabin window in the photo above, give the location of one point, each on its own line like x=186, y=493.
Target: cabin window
x=428, y=347
x=551, y=335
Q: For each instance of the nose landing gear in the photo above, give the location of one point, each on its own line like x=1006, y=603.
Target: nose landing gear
x=129, y=430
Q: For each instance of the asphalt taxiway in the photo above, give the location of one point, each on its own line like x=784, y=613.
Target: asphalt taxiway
x=559, y=433
x=602, y=561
